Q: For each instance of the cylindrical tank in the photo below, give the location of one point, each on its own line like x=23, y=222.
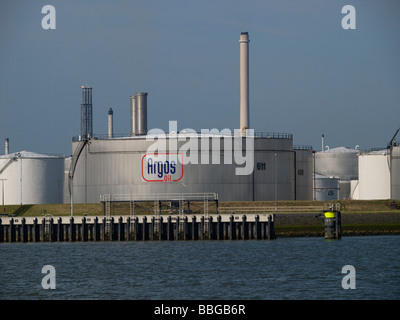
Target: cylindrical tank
x=141, y=113
x=338, y=162
x=128, y=166
x=326, y=188
x=374, y=175
x=303, y=172
x=31, y=178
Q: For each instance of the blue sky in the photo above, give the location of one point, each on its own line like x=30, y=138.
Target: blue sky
x=308, y=76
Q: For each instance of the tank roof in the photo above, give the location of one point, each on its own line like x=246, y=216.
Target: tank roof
x=29, y=154
x=340, y=150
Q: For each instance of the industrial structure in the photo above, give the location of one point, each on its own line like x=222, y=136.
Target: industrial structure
x=238, y=165
x=345, y=173
x=190, y=162
x=334, y=169
x=31, y=178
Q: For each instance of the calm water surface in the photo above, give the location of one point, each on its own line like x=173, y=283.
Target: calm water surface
x=287, y=268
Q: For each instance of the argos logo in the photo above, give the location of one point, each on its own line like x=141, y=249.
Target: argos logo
x=162, y=167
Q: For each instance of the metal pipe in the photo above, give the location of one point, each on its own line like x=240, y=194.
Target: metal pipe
x=244, y=81
x=6, y=146
x=141, y=109
x=133, y=116
x=110, y=123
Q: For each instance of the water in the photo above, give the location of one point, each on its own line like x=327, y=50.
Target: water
x=287, y=268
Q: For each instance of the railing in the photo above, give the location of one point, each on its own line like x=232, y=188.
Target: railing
x=302, y=147
x=160, y=197
x=284, y=209
x=268, y=135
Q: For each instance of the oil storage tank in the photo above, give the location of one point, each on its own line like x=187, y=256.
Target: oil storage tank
x=31, y=178
x=326, y=188
x=374, y=175
x=303, y=172
x=338, y=162
x=341, y=163
x=182, y=164
x=238, y=166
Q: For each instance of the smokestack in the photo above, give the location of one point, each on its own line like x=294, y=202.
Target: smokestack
x=86, y=113
x=141, y=113
x=133, y=115
x=110, y=123
x=6, y=147
x=244, y=81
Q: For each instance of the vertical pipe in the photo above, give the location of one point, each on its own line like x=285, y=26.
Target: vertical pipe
x=110, y=123
x=6, y=146
x=141, y=113
x=133, y=116
x=244, y=81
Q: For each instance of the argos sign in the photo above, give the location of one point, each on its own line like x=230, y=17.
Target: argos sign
x=162, y=167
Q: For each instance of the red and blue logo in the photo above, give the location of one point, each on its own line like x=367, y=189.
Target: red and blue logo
x=162, y=167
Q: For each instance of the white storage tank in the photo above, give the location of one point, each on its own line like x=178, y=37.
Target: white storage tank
x=339, y=162
x=374, y=175
x=31, y=178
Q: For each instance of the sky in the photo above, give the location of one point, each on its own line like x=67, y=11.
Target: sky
x=308, y=75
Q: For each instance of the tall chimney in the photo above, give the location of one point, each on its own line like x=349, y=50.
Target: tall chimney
x=6, y=147
x=141, y=113
x=110, y=123
x=86, y=113
x=244, y=81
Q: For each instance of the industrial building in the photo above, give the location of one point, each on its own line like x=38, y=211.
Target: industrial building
x=345, y=173
x=238, y=165
x=110, y=165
